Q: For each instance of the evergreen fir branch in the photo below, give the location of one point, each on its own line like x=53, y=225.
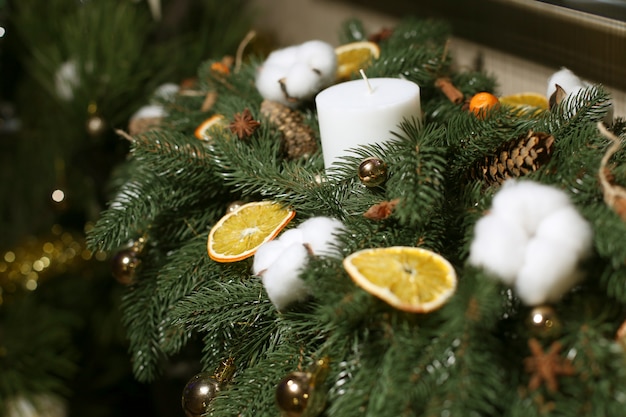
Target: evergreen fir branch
x=172, y=152
x=127, y=217
x=594, y=356
x=142, y=316
x=589, y=106
x=419, y=167
x=235, y=315
x=181, y=161
x=470, y=139
x=473, y=382
x=137, y=210
x=397, y=370
x=254, y=391
x=420, y=65
x=48, y=359
x=252, y=169
x=183, y=271
x=235, y=88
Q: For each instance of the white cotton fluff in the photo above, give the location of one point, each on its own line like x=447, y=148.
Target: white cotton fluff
x=549, y=272
x=321, y=56
x=149, y=111
x=166, y=91
x=280, y=261
x=301, y=82
x=266, y=255
x=567, y=228
x=527, y=203
x=320, y=234
x=296, y=73
x=499, y=247
x=567, y=80
x=533, y=239
x=292, y=236
x=268, y=82
x=281, y=279
x=572, y=85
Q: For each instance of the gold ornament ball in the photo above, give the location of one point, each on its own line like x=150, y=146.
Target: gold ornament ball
x=124, y=266
x=198, y=393
x=95, y=125
x=544, y=322
x=234, y=206
x=372, y=172
x=293, y=393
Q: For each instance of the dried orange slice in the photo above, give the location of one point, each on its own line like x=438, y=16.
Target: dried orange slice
x=239, y=233
x=210, y=127
x=354, y=56
x=410, y=279
x=529, y=102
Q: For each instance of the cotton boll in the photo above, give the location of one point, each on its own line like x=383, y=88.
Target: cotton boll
x=281, y=280
x=498, y=247
x=295, y=74
x=268, y=82
x=527, y=203
x=567, y=80
x=284, y=57
x=319, y=233
x=266, y=255
x=321, y=57
x=301, y=82
x=291, y=236
x=549, y=271
x=567, y=228
x=166, y=91
x=150, y=111
x=572, y=85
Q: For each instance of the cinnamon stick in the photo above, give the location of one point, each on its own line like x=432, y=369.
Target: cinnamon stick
x=450, y=91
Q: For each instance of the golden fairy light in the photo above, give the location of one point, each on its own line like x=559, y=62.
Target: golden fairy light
x=39, y=257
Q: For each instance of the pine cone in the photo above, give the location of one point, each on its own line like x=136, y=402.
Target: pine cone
x=515, y=158
x=298, y=138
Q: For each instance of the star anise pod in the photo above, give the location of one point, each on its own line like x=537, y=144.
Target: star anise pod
x=243, y=124
x=546, y=367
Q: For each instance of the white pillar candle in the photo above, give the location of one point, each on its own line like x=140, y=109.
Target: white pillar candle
x=362, y=112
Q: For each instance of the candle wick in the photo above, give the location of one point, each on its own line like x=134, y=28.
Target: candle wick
x=367, y=82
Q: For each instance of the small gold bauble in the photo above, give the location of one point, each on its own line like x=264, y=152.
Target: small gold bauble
x=124, y=265
x=543, y=322
x=198, y=393
x=372, y=172
x=95, y=125
x=234, y=206
x=293, y=393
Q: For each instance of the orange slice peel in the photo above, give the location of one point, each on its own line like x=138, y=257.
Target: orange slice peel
x=239, y=233
x=408, y=278
x=210, y=127
x=526, y=103
x=354, y=56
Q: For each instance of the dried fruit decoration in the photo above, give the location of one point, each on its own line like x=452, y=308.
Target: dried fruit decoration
x=408, y=278
x=239, y=233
